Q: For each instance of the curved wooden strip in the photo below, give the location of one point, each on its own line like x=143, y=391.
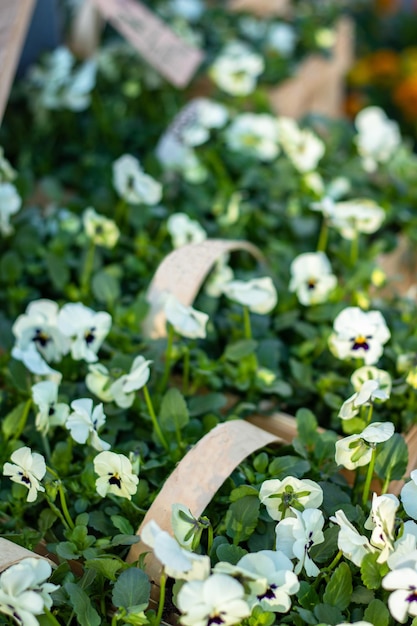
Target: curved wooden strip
x=198, y=476
x=182, y=273
x=11, y=553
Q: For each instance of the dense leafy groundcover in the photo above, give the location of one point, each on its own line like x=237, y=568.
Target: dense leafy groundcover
x=96, y=411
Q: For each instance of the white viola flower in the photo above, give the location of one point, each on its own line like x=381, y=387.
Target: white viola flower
x=356, y=450
x=236, y=69
x=221, y=274
x=403, y=601
x=219, y=599
x=50, y=411
x=369, y=391
x=185, y=320
x=303, y=148
x=282, y=497
x=359, y=215
x=359, y=334
x=187, y=528
x=32, y=359
x=178, y=562
x=184, y=230
x=405, y=548
x=98, y=381
x=295, y=536
x=27, y=469
x=254, y=134
x=314, y=182
x=175, y=156
x=38, y=328
x=378, y=137
x=86, y=329
x=258, y=294
x=122, y=388
x=409, y=495
x=353, y=545
x=132, y=184
x=101, y=230
x=115, y=475
x=370, y=372
x=324, y=206
x=24, y=592
x=85, y=421
x=190, y=10
x=275, y=568
x=282, y=38
x=312, y=278
x=77, y=94
x=381, y=521
x=208, y=115
x=10, y=203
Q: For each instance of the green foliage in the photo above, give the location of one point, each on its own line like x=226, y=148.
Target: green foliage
x=339, y=588
x=173, y=413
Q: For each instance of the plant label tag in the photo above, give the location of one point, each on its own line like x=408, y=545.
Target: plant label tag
x=172, y=57
x=14, y=21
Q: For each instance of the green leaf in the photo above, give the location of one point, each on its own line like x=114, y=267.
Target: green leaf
x=306, y=427
x=242, y=491
x=132, y=588
x=339, y=588
x=333, y=497
x=239, y=350
x=122, y=524
x=58, y=270
x=371, y=571
x=328, y=614
x=107, y=566
x=11, y=267
x=105, y=286
x=377, y=613
x=173, y=414
x=362, y=595
x=211, y=402
x=307, y=595
x=81, y=604
x=242, y=518
x=124, y=540
x=392, y=458
x=230, y=554
x=67, y=550
x=288, y=465
x=10, y=424
x=324, y=551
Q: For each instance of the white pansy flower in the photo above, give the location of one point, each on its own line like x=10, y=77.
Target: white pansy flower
x=405, y=548
x=115, y=475
x=50, y=411
x=303, y=148
x=218, y=600
x=185, y=320
x=132, y=184
x=258, y=294
x=282, y=497
x=122, y=388
x=190, y=10
x=369, y=391
x=359, y=334
x=311, y=278
x=208, y=115
x=24, y=592
x=254, y=134
x=32, y=359
x=184, y=230
x=98, y=381
x=282, y=38
x=370, y=372
x=403, y=601
x=178, y=562
x=85, y=421
x=356, y=450
x=220, y=276
x=38, y=328
x=378, y=137
x=10, y=203
x=353, y=545
x=295, y=536
x=382, y=523
x=85, y=328
x=409, y=495
x=236, y=69
x=359, y=215
x=101, y=230
x=27, y=469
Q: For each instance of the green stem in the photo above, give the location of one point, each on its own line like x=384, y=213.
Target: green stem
x=120, y=212
x=168, y=358
x=354, y=250
x=23, y=419
x=58, y=513
x=334, y=562
x=62, y=498
x=186, y=371
x=246, y=323
x=209, y=538
x=46, y=447
x=369, y=475
x=369, y=416
x=87, y=269
x=323, y=236
x=51, y=618
x=154, y=419
x=162, y=588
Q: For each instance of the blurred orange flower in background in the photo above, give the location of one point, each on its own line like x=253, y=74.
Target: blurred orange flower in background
x=405, y=97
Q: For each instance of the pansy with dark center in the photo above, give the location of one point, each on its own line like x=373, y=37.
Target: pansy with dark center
x=361, y=342
x=41, y=337
x=115, y=480
x=89, y=335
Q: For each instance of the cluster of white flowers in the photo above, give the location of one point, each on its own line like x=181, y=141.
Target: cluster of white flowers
x=10, y=200
x=132, y=184
x=378, y=137
x=24, y=592
x=44, y=334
